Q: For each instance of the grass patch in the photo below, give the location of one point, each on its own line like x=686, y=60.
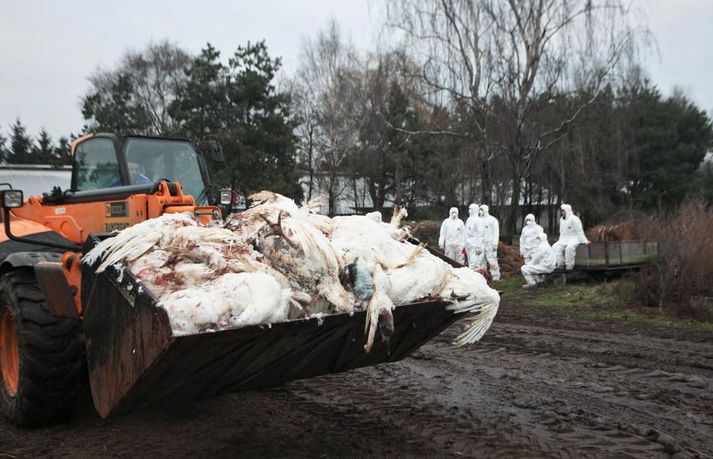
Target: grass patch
x=599, y=300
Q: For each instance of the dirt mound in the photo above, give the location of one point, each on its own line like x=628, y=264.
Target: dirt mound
x=627, y=231
x=621, y=226
x=427, y=231
x=509, y=260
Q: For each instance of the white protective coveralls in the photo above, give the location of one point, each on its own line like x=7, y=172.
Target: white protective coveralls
x=542, y=261
x=452, y=239
x=491, y=237
x=571, y=235
x=474, y=238
x=529, y=237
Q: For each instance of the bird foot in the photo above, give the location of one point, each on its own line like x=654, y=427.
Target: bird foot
x=276, y=229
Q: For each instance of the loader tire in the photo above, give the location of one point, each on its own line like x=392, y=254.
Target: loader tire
x=40, y=355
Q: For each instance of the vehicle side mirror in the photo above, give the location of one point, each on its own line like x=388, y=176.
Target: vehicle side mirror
x=216, y=150
x=11, y=199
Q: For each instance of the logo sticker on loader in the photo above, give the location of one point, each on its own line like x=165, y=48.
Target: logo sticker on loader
x=116, y=216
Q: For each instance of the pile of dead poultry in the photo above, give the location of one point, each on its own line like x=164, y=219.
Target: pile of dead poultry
x=276, y=262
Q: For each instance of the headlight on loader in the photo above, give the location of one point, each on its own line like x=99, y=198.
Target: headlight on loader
x=12, y=198
x=226, y=197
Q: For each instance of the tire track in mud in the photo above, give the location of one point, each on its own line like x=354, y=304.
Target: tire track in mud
x=629, y=398
x=579, y=398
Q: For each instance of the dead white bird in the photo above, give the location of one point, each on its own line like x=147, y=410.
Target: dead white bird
x=425, y=277
x=470, y=292
x=250, y=299
x=379, y=311
x=218, y=248
x=231, y=300
x=367, y=239
x=399, y=213
x=134, y=241
x=267, y=208
x=191, y=310
x=306, y=257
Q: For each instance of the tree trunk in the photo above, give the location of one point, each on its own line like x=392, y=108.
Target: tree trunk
x=372, y=192
x=356, y=193
x=397, y=180
x=310, y=153
x=485, y=186
x=514, y=204
x=331, y=195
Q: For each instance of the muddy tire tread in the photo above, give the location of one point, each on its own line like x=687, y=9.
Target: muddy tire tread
x=51, y=353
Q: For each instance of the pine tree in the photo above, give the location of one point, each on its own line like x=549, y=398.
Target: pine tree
x=113, y=108
x=43, y=150
x=20, y=145
x=3, y=150
x=670, y=137
x=62, y=153
x=239, y=104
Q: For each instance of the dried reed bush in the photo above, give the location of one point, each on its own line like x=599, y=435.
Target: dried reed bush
x=681, y=278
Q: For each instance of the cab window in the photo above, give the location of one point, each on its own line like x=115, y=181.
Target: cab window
x=157, y=159
x=95, y=165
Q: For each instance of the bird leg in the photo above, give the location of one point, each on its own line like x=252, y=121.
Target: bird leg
x=276, y=229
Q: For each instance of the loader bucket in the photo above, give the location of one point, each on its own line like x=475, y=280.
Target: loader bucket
x=134, y=359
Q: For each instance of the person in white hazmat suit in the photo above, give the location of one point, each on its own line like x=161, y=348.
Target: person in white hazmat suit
x=452, y=239
x=571, y=235
x=491, y=237
x=542, y=261
x=474, y=238
x=529, y=237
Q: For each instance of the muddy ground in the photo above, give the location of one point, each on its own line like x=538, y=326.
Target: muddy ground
x=541, y=383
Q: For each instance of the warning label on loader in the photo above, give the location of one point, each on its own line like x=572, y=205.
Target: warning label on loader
x=116, y=216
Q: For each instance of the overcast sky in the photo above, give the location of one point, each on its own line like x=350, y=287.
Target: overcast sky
x=48, y=48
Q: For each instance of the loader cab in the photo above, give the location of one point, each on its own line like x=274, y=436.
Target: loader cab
x=104, y=161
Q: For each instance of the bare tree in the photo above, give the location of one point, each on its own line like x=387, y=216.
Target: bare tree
x=327, y=88
x=478, y=55
x=137, y=93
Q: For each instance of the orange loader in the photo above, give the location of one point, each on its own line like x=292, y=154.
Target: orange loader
x=60, y=319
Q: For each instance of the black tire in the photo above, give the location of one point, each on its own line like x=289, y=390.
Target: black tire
x=48, y=379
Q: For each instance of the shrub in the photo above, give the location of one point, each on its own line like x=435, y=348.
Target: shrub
x=680, y=279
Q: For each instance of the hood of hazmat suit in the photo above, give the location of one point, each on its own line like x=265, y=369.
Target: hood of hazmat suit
x=452, y=231
x=571, y=230
x=491, y=227
x=567, y=209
